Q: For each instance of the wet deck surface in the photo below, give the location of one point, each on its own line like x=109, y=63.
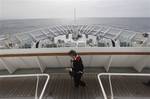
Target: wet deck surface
x=61, y=87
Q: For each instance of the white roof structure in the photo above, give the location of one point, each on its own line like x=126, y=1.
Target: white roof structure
x=17, y=50
x=25, y=40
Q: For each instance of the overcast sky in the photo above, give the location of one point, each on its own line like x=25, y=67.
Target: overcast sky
x=20, y=9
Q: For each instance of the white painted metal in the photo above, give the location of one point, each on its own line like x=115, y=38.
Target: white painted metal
x=10, y=69
x=132, y=36
x=118, y=34
x=82, y=27
x=33, y=37
x=2, y=67
x=57, y=29
x=85, y=29
x=140, y=64
x=18, y=38
x=25, y=62
x=136, y=61
x=29, y=62
x=41, y=66
x=63, y=61
x=52, y=32
x=107, y=31
x=109, y=63
x=57, y=58
x=88, y=29
x=66, y=32
x=45, y=34
x=91, y=29
x=98, y=31
x=86, y=60
x=111, y=90
x=62, y=30
x=50, y=61
x=37, y=86
x=115, y=74
x=102, y=30
x=99, y=61
x=90, y=60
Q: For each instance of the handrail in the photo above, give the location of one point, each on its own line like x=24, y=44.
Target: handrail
x=114, y=74
x=31, y=75
x=80, y=53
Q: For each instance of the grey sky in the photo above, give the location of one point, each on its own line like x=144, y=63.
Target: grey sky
x=0, y=9
x=14, y=9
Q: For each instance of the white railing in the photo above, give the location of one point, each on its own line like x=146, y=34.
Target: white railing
x=32, y=75
x=110, y=84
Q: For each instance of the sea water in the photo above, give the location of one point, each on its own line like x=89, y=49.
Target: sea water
x=25, y=25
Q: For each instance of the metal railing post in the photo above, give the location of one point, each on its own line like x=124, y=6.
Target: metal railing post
x=36, y=91
x=32, y=75
x=111, y=90
x=110, y=83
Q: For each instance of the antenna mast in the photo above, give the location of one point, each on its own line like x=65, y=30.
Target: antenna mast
x=74, y=15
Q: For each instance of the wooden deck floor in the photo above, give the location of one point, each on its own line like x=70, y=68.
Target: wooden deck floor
x=61, y=87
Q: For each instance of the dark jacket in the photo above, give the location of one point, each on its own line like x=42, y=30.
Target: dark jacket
x=77, y=64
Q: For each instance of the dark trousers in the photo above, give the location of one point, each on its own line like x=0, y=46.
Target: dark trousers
x=148, y=82
x=77, y=79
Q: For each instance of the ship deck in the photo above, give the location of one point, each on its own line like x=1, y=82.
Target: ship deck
x=61, y=86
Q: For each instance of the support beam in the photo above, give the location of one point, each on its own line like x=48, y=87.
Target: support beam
x=10, y=69
x=58, y=30
x=61, y=29
x=68, y=28
x=107, y=31
x=132, y=36
x=53, y=33
x=98, y=31
x=104, y=33
x=25, y=62
x=81, y=27
x=40, y=65
x=59, y=61
x=46, y=35
x=85, y=29
x=91, y=30
x=33, y=37
x=72, y=28
x=108, y=63
x=37, y=87
x=141, y=63
x=145, y=42
x=116, y=37
x=66, y=32
x=18, y=39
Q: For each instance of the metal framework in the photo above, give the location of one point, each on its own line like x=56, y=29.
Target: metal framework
x=102, y=30
x=110, y=83
x=32, y=75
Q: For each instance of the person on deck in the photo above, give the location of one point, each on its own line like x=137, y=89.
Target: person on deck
x=147, y=83
x=77, y=68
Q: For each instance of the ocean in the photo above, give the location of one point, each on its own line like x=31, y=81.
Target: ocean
x=24, y=25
